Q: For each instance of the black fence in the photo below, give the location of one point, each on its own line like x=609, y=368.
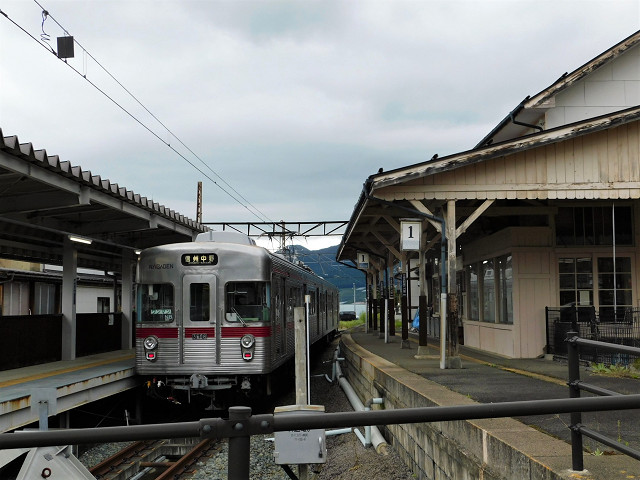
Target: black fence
x=98, y=333
x=27, y=340
x=621, y=328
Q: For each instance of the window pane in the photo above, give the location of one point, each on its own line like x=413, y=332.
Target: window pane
x=155, y=303
x=605, y=264
x=247, y=302
x=585, y=298
x=488, y=292
x=568, y=298
x=506, y=289
x=567, y=281
x=624, y=226
x=567, y=265
x=605, y=280
x=473, y=292
x=199, y=302
x=584, y=265
x=594, y=225
x=585, y=280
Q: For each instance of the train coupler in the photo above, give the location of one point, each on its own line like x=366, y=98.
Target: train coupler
x=245, y=384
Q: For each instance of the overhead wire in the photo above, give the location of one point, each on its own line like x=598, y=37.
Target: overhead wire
x=87, y=53
x=45, y=38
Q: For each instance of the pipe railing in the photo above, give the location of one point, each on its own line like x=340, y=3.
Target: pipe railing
x=241, y=425
x=576, y=386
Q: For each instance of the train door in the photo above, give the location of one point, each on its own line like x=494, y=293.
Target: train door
x=199, y=320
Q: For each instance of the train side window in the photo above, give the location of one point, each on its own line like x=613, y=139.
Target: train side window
x=199, y=302
x=155, y=303
x=247, y=302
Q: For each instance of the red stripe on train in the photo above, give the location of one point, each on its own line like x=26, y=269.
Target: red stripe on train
x=231, y=332
x=171, y=332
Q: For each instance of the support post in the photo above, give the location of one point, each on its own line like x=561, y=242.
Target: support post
x=577, y=461
x=126, y=340
x=422, y=303
x=391, y=326
x=453, y=359
x=69, y=287
x=403, y=302
x=302, y=395
x=239, y=447
x=383, y=304
x=374, y=300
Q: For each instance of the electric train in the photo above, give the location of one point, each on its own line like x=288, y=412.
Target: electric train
x=214, y=317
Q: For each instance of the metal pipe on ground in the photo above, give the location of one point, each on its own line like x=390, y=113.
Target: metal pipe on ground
x=377, y=440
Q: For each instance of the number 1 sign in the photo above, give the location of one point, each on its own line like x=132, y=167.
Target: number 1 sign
x=411, y=231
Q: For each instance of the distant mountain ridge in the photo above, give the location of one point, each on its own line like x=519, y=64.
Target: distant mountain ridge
x=323, y=263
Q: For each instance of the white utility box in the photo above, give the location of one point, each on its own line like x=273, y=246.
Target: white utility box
x=300, y=447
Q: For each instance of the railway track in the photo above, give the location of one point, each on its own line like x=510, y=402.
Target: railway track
x=156, y=460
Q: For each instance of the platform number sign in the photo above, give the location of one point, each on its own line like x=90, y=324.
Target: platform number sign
x=363, y=261
x=410, y=238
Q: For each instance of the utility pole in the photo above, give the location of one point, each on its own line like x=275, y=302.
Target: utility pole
x=199, y=204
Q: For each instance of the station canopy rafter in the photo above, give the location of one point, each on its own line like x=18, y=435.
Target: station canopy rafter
x=44, y=201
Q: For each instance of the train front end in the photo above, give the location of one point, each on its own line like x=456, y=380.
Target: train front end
x=203, y=326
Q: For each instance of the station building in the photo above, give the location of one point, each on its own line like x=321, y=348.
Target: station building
x=542, y=214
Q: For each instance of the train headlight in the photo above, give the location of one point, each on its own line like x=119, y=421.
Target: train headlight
x=150, y=345
x=247, y=340
x=247, y=344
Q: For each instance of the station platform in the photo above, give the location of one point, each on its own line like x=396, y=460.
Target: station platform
x=62, y=386
x=487, y=378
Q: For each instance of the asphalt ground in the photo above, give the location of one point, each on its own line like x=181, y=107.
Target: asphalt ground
x=490, y=379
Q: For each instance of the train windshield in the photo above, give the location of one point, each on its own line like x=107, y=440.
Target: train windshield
x=155, y=303
x=247, y=302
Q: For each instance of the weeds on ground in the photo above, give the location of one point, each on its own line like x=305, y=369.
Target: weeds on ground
x=619, y=371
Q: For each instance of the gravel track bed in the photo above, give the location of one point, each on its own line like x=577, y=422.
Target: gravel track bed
x=347, y=459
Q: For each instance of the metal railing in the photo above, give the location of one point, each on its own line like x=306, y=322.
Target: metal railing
x=574, y=344
x=241, y=425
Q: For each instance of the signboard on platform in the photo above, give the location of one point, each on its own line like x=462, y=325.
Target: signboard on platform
x=410, y=232
x=363, y=261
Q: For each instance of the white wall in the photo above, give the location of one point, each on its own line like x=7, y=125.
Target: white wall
x=87, y=298
x=611, y=88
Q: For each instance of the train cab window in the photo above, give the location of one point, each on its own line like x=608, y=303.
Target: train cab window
x=199, y=302
x=155, y=303
x=247, y=302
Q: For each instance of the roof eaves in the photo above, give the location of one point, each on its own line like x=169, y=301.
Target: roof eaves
x=12, y=145
x=538, y=100
x=451, y=162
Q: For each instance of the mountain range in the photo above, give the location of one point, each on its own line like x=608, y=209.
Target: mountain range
x=323, y=263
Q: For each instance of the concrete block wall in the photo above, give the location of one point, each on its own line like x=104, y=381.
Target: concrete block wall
x=490, y=449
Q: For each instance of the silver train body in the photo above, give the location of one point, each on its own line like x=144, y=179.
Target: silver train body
x=214, y=317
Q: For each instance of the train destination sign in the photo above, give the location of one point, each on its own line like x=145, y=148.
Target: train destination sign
x=201, y=259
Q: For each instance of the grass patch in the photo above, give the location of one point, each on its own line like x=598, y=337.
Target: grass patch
x=619, y=371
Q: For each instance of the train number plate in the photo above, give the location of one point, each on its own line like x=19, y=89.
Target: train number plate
x=199, y=336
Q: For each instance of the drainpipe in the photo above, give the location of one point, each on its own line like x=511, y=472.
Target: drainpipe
x=375, y=437
x=443, y=270
x=512, y=116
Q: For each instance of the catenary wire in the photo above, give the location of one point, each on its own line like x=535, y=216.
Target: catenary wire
x=50, y=49
x=146, y=109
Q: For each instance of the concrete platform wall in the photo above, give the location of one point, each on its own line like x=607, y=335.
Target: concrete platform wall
x=489, y=449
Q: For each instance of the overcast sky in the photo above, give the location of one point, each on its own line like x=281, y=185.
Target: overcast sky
x=291, y=105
